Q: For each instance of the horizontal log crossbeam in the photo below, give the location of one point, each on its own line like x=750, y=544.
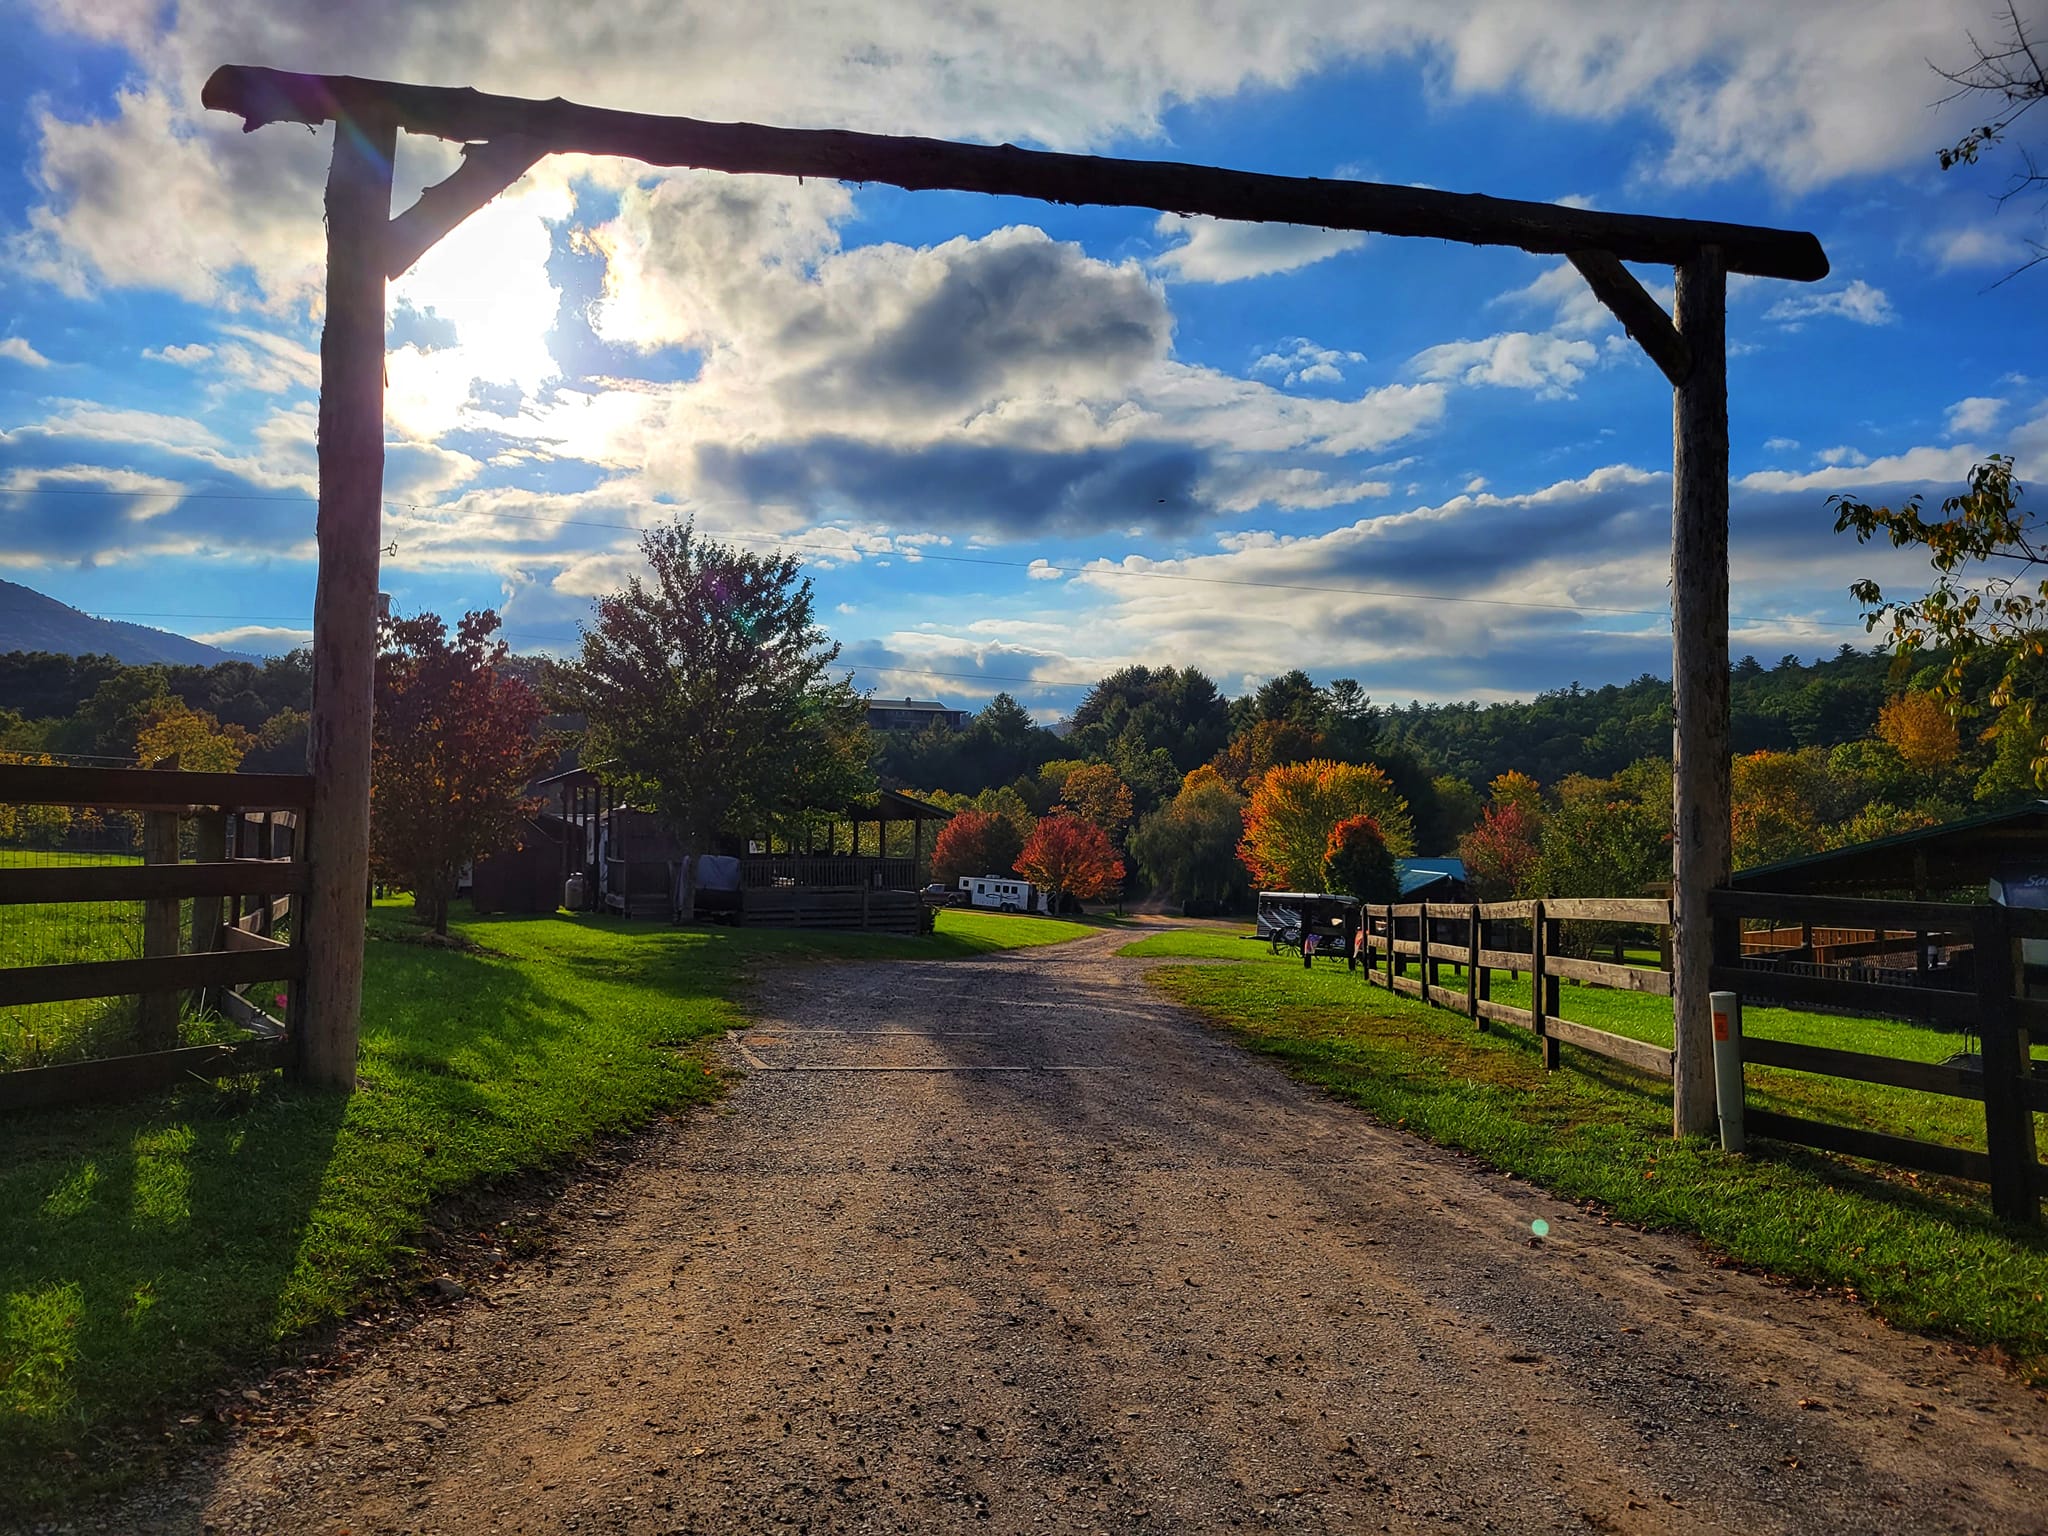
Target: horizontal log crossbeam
x=259, y=96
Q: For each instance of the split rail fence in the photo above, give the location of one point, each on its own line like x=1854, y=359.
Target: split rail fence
x=1983, y=988
x=218, y=931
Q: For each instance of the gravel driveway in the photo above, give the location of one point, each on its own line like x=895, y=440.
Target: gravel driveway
x=1011, y=1244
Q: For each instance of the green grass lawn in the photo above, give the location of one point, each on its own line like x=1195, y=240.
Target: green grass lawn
x=1923, y=1252
x=155, y=1248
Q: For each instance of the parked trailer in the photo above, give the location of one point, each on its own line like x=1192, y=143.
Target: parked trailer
x=1003, y=893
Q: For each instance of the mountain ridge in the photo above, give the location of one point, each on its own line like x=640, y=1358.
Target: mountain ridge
x=32, y=621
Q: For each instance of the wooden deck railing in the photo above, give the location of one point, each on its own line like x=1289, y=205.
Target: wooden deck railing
x=231, y=947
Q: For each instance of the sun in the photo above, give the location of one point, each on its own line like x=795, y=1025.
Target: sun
x=488, y=282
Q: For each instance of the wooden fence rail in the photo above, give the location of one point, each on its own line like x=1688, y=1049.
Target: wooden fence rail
x=1518, y=936
x=242, y=889
x=1527, y=937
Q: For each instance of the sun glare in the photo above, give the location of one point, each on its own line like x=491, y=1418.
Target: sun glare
x=488, y=281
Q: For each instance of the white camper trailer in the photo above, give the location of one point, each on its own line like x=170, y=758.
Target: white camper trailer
x=1005, y=893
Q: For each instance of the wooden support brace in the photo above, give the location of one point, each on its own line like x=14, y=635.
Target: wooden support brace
x=1640, y=315
x=486, y=170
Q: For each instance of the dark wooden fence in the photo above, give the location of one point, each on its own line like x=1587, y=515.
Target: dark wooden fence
x=246, y=832
x=810, y=906
x=1979, y=984
x=1982, y=988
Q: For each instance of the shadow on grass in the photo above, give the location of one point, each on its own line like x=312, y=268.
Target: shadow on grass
x=147, y=1244
x=156, y=1248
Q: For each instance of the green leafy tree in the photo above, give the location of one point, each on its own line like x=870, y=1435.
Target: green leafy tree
x=705, y=686
x=1608, y=837
x=1356, y=861
x=1188, y=846
x=1989, y=601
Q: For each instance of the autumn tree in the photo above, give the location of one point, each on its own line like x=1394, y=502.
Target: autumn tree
x=453, y=750
x=975, y=843
x=1778, y=805
x=705, y=685
x=1095, y=793
x=1066, y=856
x=1189, y=845
x=1921, y=731
x=1356, y=861
x=1262, y=745
x=1988, y=607
x=1502, y=853
x=199, y=742
x=1294, y=808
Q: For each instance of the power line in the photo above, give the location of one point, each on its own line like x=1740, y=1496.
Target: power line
x=917, y=556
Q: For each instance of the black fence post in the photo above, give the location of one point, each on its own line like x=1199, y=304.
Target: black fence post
x=2008, y=1120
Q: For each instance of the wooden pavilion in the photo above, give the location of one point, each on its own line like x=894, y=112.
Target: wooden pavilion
x=503, y=136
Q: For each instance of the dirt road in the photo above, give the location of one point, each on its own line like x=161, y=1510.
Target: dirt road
x=1012, y=1245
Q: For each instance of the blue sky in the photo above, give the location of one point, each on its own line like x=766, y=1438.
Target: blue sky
x=1018, y=444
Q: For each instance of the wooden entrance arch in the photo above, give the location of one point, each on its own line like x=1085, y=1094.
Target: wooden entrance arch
x=503, y=136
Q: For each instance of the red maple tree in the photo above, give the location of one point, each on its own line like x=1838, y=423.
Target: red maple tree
x=454, y=749
x=974, y=843
x=1067, y=856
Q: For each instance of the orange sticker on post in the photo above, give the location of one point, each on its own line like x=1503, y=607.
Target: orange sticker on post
x=1720, y=1025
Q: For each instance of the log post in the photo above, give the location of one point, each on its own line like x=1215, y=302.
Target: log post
x=1700, y=847
x=337, y=846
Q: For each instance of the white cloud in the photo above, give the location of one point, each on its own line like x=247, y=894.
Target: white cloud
x=1850, y=456
x=1978, y=413
x=1859, y=302
x=1548, y=365
x=1914, y=466
x=1220, y=251
x=1780, y=444
x=1304, y=362
x=263, y=639
x=18, y=350
x=163, y=195
x=1045, y=570
x=1978, y=245
x=189, y=355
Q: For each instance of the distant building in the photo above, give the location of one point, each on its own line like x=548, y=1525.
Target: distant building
x=1431, y=879
x=913, y=715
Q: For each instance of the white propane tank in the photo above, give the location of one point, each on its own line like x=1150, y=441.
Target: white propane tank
x=573, y=892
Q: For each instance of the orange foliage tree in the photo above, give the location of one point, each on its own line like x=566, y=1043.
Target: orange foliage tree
x=1921, y=731
x=975, y=843
x=1094, y=793
x=454, y=749
x=1294, y=807
x=1267, y=744
x=1066, y=856
x=1778, y=803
